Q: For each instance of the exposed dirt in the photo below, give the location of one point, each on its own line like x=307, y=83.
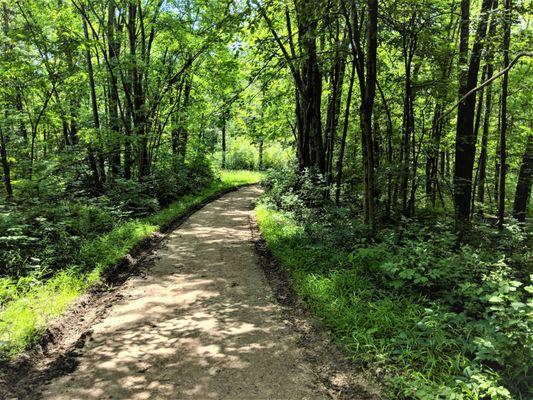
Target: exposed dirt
x=338, y=376
x=198, y=321
x=56, y=352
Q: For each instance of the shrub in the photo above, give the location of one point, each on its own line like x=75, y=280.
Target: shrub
x=176, y=178
x=442, y=320
x=242, y=155
x=290, y=190
x=131, y=197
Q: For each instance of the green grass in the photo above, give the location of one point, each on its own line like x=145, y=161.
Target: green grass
x=421, y=348
x=26, y=316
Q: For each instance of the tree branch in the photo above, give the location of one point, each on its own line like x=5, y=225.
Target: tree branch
x=487, y=82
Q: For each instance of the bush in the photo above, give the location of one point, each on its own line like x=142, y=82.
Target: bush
x=290, y=190
x=174, y=179
x=242, y=155
x=277, y=157
x=132, y=197
x=41, y=239
x=442, y=320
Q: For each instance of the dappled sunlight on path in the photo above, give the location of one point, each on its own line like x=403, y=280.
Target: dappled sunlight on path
x=202, y=324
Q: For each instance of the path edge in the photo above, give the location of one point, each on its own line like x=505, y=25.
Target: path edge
x=339, y=378
x=55, y=353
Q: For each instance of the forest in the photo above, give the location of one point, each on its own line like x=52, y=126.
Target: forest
x=392, y=139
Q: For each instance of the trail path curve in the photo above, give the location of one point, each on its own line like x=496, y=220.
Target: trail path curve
x=201, y=323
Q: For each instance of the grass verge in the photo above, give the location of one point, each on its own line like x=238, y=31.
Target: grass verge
x=26, y=316
x=420, y=348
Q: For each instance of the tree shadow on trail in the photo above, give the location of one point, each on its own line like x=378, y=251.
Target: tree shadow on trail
x=202, y=324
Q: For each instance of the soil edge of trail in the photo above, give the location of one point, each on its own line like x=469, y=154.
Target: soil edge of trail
x=56, y=351
x=339, y=377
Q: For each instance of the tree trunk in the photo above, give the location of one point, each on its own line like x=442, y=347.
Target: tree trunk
x=503, y=133
x=523, y=186
x=5, y=166
x=175, y=133
x=342, y=149
x=388, y=203
x=94, y=104
x=113, y=97
x=307, y=77
x=98, y=175
x=183, y=128
x=138, y=112
x=465, y=143
x=484, y=142
x=224, y=141
x=128, y=145
x=367, y=107
x=334, y=105
x=311, y=91
x=482, y=168
x=261, y=151
x=407, y=132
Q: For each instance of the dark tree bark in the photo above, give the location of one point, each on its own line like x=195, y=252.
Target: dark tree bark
x=388, y=204
x=336, y=76
x=176, y=121
x=261, y=152
x=311, y=84
x=113, y=95
x=435, y=161
x=224, y=141
x=98, y=173
x=482, y=168
x=366, y=72
x=484, y=143
x=477, y=124
x=432, y=162
x=183, y=128
x=5, y=166
x=465, y=143
x=408, y=126
x=307, y=77
x=345, y=126
x=503, y=133
x=523, y=186
x=367, y=107
x=136, y=89
x=128, y=141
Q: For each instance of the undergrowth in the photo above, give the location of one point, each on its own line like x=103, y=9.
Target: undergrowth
x=434, y=319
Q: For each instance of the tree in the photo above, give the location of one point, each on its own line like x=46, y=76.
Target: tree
x=307, y=77
x=504, y=123
x=523, y=185
x=465, y=142
x=366, y=67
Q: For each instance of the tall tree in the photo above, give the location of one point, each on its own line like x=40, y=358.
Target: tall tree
x=504, y=120
x=307, y=78
x=482, y=168
x=366, y=67
x=465, y=141
x=523, y=184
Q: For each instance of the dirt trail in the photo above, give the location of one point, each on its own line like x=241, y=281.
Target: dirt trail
x=202, y=323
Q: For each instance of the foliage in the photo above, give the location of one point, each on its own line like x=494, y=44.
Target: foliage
x=433, y=318
x=242, y=154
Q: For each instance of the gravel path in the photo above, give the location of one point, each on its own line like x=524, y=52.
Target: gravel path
x=202, y=323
